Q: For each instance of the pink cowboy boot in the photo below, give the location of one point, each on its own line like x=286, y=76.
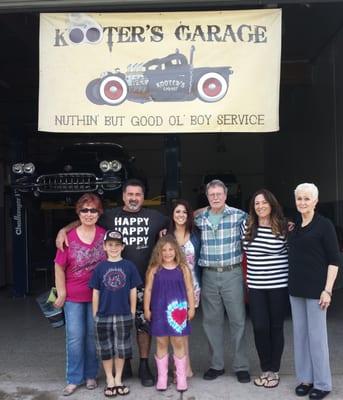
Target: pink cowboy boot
x=162, y=372
x=181, y=375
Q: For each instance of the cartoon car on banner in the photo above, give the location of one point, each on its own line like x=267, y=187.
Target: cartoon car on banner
x=171, y=78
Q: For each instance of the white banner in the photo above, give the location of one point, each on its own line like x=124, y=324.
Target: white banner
x=213, y=71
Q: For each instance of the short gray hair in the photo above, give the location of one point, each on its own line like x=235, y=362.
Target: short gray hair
x=310, y=188
x=216, y=182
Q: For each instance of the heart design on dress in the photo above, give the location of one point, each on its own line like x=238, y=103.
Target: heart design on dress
x=177, y=315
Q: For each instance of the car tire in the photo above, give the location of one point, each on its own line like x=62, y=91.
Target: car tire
x=93, y=92
x=113, y=90
x=211, y=87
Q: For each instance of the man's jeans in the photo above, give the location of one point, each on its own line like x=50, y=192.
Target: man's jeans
x=81, y=356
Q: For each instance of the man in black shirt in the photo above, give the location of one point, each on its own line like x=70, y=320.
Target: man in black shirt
x=140, y=228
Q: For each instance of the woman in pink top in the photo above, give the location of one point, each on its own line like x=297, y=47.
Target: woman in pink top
x=73, y=270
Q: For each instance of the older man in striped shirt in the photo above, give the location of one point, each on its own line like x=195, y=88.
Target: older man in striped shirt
x=222, y=280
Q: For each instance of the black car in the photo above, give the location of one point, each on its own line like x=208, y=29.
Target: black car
x=101, y=168
x=234, y=195
x=171, y=78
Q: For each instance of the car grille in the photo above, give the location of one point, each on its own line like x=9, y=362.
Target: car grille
x=57, y=183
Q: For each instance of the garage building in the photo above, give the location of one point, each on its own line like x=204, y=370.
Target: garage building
x=308, y=146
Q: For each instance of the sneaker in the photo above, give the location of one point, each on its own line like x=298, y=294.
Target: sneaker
x=303, y=389
x=212, y=373
x=316, y=394
x=243, y=376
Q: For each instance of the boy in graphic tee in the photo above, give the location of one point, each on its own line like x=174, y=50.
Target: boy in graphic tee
x=114, y=283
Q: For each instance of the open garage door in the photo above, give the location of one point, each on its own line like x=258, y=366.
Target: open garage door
x=308, y=146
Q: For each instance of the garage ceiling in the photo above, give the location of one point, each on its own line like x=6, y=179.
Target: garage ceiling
x=307, y=28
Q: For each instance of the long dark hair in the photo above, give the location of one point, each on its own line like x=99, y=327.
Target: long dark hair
x=189, y=221
x=277, y=219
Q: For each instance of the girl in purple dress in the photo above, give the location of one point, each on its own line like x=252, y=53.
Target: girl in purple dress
x=169, y=305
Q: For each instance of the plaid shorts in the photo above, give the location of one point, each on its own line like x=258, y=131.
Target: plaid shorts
x=142, y=325
x=113, y=336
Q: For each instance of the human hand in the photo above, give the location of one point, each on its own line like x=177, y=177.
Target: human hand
x=59, y=303
x=147, y=315
x=62, y=239
x=191, y=313
x=163, y=232
x=290, y=226
x=324, y=300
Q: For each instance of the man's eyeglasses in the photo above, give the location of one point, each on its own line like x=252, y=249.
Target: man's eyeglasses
x=91, y=210
x=213, y=195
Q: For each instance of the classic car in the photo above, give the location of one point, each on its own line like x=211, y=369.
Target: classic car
x=171, y=78
x=79, y=168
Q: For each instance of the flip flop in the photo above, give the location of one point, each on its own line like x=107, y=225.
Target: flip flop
x=110, y=391
x=122, y=390
x=273, y=381
x=262, y=379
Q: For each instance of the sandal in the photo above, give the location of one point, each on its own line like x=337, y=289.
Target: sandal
x=69, y=389
x=122, y=390
x=273, y=380
x=91, y=384
x=110, y=391
x=262, y=379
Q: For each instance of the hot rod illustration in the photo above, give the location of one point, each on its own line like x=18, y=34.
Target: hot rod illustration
x=171, y=78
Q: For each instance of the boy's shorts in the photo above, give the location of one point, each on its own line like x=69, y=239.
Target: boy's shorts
x=113, y=336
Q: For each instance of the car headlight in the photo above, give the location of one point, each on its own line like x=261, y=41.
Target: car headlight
x=116, y=165
x=18, y=168
x=105, y=166
x=29, y=168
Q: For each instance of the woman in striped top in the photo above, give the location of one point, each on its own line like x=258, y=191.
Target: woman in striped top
x=264, y=241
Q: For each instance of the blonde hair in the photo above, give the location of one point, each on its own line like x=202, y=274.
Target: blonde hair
x=156, y=260
x=310, y=188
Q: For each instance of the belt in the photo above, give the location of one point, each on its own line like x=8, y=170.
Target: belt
x=222, y=269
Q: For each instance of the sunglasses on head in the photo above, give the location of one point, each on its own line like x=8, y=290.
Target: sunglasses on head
x=86, y=210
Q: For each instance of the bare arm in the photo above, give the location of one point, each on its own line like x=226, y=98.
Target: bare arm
x=61, y=238
x=133, y=300
x=190, y=293
x=325, y=296
x=149, y=280
x=95, y=301
x=60, y=282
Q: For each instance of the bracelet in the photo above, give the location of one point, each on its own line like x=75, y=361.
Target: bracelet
x=329, y=293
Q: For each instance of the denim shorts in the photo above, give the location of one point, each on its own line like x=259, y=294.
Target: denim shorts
x=113, y=336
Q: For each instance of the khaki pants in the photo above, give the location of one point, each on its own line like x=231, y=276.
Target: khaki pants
x=220, y=292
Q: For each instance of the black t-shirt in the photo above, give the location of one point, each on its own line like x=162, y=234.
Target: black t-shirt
x=311, y=250
x=140, y=231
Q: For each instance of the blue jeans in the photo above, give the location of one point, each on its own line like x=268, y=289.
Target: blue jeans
x=81, y=355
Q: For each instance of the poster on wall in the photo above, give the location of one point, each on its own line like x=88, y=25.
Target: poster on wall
x=215, y=71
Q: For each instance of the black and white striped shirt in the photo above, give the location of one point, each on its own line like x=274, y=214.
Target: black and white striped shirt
x=267, y=259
